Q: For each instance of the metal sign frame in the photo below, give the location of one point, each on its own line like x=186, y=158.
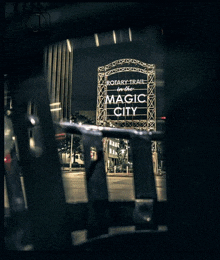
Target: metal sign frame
x=127, y=65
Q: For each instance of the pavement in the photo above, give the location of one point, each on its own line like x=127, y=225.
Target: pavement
x=110, y=174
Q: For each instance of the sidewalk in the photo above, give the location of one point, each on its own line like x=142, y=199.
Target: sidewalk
x=120, y=174
x=110, y=174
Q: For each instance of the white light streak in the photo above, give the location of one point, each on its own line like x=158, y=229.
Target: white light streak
x=96, y=39
x=69, y=45
x=114, y=36
x=130, y=34
x=55, y=109
x=54, y=104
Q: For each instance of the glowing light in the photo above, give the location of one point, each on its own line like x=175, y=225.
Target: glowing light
x=69, y=45
x=7, y=158
x=55, y=109
x=96, y=39
x=33, y=121
x=32, y=143
x=7, y=132
x=114, y=36
x=130, y=34
x=54, y=104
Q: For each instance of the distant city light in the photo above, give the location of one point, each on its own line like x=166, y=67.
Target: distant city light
x=69, y=45
x=114, y=36
x=96, y=39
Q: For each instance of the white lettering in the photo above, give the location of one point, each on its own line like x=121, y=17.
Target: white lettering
x=135, y=98
x=110, y=100
x=125, y=82
x=134, y=110
x=128, y=89
x=119, y=99
x=123, y=111
x=143, y=95
x=117, y=108
x=119, y=89
x=126, y=99
x=130, y=99
x=127, y=108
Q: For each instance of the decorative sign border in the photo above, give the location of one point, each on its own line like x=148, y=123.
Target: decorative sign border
x=126, y=65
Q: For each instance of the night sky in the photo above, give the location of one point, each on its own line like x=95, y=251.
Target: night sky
x=87, y=60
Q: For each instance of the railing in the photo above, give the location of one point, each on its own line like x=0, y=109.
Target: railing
x=48, y=221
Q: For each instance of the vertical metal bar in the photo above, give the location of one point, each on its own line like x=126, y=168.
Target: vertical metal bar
x=20, y=236
x=66, y=83
x=46, y=61
x=144, y=182
x=49, y=65
x=70, y=81
x=96, y=184
x=54, y=70
x=71, y=153
x=143, y=167
x=42, y=175
x=63, y=76
x=58, y=78
x=53, y=94
x=13, y=183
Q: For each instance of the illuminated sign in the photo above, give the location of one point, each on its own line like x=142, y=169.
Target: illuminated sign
x=126, y=98
x=126, y=94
